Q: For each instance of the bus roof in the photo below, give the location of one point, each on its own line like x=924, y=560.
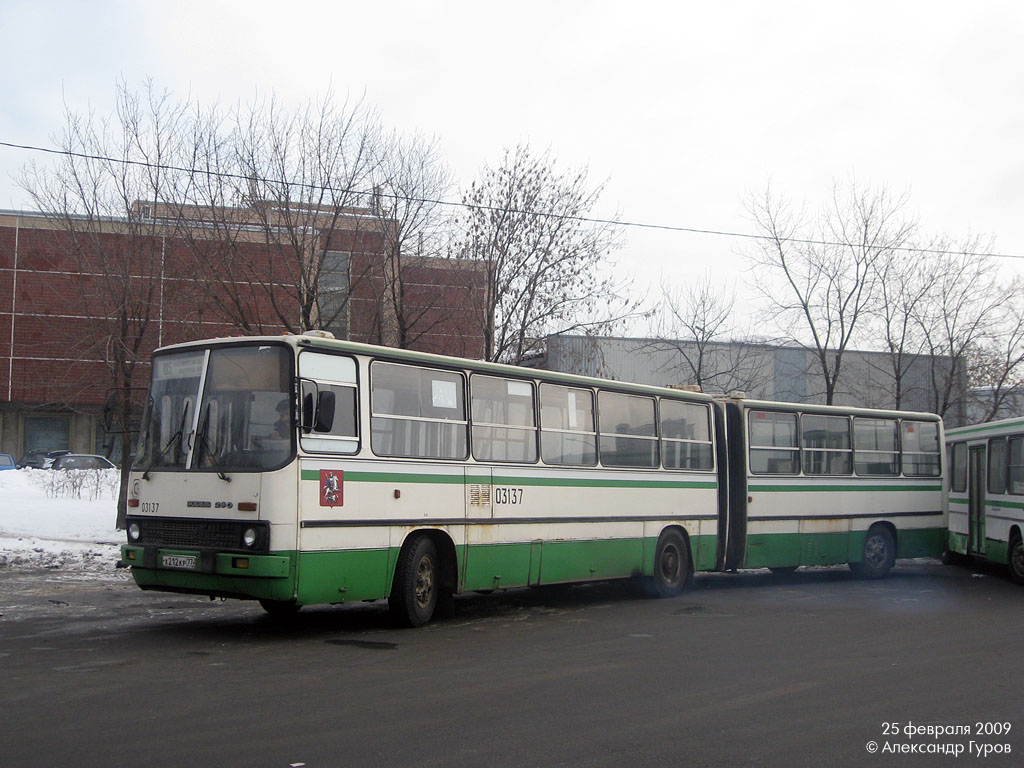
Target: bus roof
x=987, y=428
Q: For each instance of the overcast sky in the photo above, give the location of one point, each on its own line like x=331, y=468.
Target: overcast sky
x=684, y=107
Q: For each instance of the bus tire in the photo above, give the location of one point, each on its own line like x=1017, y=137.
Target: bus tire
x=414, y=591
x=671, y=565
x=1015, y=561
x=280, y=609
x=877, y=555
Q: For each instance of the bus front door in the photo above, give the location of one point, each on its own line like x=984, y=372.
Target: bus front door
x=976, y=501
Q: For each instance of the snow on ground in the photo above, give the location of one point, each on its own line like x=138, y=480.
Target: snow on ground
x=60, y=520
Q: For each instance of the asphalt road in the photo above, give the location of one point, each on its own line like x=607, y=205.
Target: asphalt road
x=742, y=670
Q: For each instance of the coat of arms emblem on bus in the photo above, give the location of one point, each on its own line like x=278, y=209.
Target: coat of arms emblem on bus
x=332, y=488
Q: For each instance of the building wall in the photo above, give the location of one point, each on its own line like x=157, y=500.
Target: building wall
x=58, y=299
x=765, y=372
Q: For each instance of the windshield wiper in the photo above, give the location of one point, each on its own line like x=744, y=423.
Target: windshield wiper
x=205, y=449
x=175, y=437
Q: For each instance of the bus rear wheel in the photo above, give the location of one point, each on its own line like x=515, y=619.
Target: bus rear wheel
x=414, y=591
x=1016, y=559
x=877, y=555
x=671, y=566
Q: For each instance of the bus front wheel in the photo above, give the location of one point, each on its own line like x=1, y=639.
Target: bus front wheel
x=877, y=555
x=1016, y=559
x=414, y=592
x=671, y=565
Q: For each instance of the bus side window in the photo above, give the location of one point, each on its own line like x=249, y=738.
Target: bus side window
x=876, y=450
x=686, y=435
x=417, y=412
x=773, y=445
x=958, y=471
x=920, y=446
x=997, y=465
x=826, y=444
x=504, y=426
x=567, y=425
x=1016, y=465
x=325, y=376
x=628, y=432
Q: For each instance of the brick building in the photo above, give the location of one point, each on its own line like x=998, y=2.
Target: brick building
x=81, y=300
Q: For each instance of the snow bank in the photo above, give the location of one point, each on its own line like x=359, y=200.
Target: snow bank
x=59, y=520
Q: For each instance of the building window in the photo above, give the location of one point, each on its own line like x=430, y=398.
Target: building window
x=333, y=293
x=46, y=433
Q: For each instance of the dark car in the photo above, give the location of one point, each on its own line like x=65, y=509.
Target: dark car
x=81, y=461
x=39, y=459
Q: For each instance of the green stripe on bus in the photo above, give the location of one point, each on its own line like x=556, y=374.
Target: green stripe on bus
x=566, y=482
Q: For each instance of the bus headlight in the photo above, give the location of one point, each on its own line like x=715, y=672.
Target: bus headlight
x=250, y=537
x=134, y=532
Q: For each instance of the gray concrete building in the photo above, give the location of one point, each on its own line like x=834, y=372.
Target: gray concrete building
x=764, y=372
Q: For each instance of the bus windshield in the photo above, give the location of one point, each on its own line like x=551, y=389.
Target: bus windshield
x=226, y=409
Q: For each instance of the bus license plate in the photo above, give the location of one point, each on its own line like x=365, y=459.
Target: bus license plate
x=187, y=562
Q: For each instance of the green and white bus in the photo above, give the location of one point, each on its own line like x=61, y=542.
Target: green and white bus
x=986, y=493
x=302, y=470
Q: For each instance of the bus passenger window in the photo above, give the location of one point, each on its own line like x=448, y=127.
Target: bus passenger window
x=322, y=373
x=1015, y=465
x=417, y=412
x=567, y=425
x=826, y=444
x=773, y=447
x=920, y=444
x=958, y=471
x=875, y=447
x=686, y=435
x=997, y=465
x=628, y=435
x=504, y=425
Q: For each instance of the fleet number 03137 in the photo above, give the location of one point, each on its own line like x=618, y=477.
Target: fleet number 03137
x=508, y=495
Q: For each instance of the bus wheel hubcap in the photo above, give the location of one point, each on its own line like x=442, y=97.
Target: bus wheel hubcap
x=424, y=582
x=670, y=564
x=874, y=550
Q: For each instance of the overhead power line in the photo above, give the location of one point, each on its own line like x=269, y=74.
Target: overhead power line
x=474, y=206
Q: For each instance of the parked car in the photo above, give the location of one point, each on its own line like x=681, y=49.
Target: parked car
x=81, y=461
x=6, y=461
x=38, y=459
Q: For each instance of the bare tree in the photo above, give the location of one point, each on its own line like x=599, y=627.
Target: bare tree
x=696, y=329
x=416, y=276
x=91, y=195
x=902, y=294
x=827, y=267
x=961, y=313
x=275, y=211
x=546, y=268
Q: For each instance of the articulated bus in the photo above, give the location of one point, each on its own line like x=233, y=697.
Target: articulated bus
x=301, y=470
x=986, y=493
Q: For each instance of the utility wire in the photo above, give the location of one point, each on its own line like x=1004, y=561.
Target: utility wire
x=491, y=208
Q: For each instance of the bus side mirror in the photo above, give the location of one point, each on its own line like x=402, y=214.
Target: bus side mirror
x=324, y=411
